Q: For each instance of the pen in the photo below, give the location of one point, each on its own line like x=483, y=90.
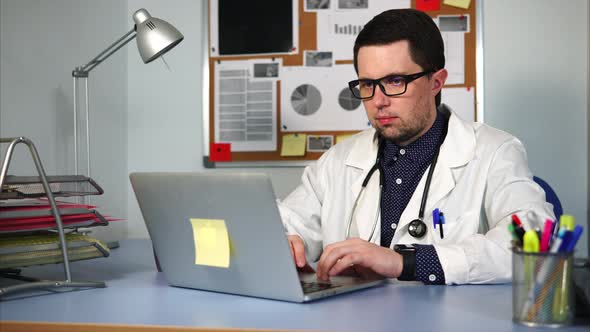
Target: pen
x=441, y=221
x=518, y=230
x=555, y=231
x=557, y=242
x=516, y=220
x=435, y=216
x=565, y=241
x=575, y=237
x=546, y=236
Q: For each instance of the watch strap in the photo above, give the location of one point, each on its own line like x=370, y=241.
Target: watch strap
x=409, y=264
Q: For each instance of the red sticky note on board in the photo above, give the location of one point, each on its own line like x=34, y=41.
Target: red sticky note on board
x=427, y=5
x=220, y=152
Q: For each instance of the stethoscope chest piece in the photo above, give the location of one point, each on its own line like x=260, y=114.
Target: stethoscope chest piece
x=417, y=228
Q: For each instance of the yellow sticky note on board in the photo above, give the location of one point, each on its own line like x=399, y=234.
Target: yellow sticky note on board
x=340, y=138
x=293, y=145
x=458, y=3
x=211, y=242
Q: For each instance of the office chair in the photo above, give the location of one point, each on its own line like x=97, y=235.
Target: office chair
x=550, y=196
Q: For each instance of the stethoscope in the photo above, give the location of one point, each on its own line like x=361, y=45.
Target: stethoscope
x=417, y=227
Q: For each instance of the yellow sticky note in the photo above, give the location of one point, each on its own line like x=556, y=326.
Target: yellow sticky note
x=340, y=138
x=293, y=145
x=211, y=242
x=458, y=3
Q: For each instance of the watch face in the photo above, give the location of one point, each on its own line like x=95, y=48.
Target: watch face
x=417, y=228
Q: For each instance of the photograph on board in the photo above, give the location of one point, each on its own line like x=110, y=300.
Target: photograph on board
x=318, y=59
x=313, y=5
x=319, y=143
x=266, y=70
x=353, y=4
x=453, y=23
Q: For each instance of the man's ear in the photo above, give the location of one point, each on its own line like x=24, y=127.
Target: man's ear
x=438, y=80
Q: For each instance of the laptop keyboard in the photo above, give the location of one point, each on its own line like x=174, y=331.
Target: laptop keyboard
x=311, y=286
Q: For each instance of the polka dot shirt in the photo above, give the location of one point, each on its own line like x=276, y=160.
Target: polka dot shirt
x=403, y=168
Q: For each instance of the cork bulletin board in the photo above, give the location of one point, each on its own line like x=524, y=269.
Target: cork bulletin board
x=292, y=104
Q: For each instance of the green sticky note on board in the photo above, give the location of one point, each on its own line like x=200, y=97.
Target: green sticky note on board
x=458, y=3
x=211, y=242
x=293, y=145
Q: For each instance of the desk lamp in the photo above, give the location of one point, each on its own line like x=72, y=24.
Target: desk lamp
x=154, y=38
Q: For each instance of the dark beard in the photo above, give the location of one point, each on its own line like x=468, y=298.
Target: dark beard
x=403, y=138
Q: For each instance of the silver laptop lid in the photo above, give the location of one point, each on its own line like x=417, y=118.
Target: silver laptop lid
x=260, y=257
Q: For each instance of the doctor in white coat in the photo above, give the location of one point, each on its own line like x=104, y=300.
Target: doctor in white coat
x=480, y=178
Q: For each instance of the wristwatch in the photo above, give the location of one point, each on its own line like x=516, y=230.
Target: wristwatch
x=408, y=252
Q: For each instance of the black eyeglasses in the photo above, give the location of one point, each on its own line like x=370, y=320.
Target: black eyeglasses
x=390, y=85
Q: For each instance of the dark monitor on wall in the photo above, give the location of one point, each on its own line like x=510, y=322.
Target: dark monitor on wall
x=255, y=26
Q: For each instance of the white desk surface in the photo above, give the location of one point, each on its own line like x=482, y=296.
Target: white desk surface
x=137, y=294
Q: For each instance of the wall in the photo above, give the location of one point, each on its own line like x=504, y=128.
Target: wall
x=40, y=44
x=165, y=120
x=536, y=87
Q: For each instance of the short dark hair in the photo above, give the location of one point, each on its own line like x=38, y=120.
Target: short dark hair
x=426, y=45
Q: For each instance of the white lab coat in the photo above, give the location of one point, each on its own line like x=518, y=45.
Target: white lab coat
x=480, y=180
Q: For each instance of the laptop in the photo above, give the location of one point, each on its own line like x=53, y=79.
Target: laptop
x=260, y=261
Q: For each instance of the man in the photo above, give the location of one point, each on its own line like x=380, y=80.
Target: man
x=480, y=175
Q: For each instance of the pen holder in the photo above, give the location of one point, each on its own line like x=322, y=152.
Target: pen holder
x=542, y=289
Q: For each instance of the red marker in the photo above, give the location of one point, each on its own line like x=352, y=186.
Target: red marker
x=516, y=220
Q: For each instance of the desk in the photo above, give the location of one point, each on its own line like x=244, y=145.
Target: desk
x=138, y=295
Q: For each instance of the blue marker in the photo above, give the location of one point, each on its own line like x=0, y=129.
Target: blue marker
x=565, y=241
x=574, y=239
x=557, y=242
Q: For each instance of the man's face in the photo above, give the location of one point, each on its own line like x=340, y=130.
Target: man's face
x=406, y=117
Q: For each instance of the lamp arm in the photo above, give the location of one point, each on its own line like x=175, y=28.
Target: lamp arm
x=82, y=71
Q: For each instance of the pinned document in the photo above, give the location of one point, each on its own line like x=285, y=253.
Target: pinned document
x=458, y=3
x=211, y=242
x=293, y=145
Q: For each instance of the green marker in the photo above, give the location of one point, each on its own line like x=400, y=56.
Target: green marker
x=513, y=233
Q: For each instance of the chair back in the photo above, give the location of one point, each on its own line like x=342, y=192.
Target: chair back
x=550, y=196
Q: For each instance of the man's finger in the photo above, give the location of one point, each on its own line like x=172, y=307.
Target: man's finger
x=329, y=259
x=342, y=264
x=298, y=250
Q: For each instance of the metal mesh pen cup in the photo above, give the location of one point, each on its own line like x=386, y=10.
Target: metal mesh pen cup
x=542, y=289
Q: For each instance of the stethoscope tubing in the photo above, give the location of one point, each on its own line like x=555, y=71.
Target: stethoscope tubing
x=377, y=166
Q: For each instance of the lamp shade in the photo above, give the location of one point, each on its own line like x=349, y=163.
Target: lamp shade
x=154, y=36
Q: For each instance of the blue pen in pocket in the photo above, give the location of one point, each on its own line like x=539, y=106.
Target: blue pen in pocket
x=435, y=217
x=441, y=221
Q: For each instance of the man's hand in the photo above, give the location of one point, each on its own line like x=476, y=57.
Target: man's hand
x=298, y=252
x=360, y=256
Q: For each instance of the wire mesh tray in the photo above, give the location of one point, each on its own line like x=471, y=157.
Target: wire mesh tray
x=45, y=249
x=18, y=187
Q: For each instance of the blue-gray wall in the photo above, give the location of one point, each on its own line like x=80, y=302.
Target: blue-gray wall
x=536, y=87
